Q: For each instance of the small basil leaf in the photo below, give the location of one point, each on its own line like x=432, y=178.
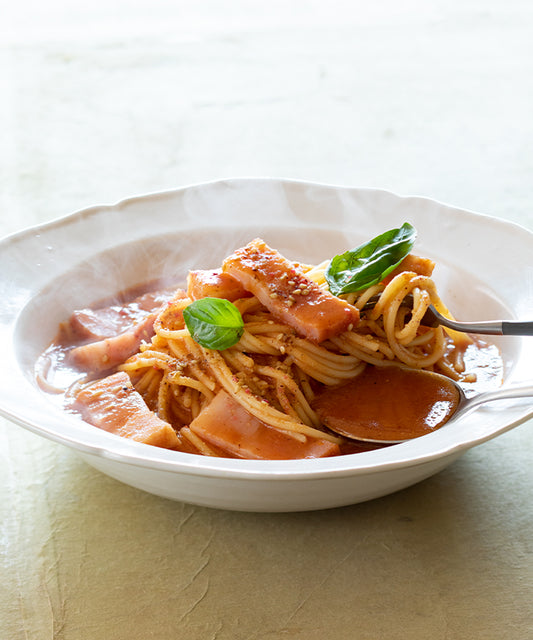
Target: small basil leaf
x=369, y=263
x=214, y=323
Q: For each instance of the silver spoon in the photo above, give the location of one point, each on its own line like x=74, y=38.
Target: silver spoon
x=466, y=405
x=388, y=405
x=433, y=318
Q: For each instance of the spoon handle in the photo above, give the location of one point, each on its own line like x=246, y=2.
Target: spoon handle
x=505, y=393
x=496, y=328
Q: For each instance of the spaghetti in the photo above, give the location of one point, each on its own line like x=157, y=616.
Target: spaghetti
x=256, y=396
x=273, y=372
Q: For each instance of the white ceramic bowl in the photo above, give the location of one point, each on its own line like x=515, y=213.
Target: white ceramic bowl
x=483, y=272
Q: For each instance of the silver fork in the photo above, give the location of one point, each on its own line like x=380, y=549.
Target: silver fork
x=433, y=318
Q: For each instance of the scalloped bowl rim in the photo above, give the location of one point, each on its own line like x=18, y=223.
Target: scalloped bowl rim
x=66, y=429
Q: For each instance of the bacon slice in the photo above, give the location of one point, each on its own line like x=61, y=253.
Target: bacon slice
x=214, y=284
x=96, y=324
x=228, y=426
x=123, y=339
x=102, y=355
x=416, y=264
x=113, y=404
x=290, y=296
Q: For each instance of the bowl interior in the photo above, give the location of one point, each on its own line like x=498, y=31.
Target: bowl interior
x=166, y=259
x=49, y=271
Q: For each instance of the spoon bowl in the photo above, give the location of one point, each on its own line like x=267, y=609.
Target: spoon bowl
x=389, y=405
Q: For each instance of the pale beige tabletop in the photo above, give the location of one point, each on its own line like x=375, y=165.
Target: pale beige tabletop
x=101, y=101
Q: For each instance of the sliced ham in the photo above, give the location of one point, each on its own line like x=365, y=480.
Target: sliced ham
x=289, y=295
x=96, y=324
x=102, y=355
x=228, y=426
x=214, y=284
x=112, y=404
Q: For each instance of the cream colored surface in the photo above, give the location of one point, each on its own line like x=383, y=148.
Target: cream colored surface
x=102, y=102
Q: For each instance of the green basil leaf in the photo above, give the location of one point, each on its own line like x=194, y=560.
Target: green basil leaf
x=214, y=323
x=369, y=263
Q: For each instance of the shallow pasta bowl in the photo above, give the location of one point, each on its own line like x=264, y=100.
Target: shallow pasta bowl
x=48, y=271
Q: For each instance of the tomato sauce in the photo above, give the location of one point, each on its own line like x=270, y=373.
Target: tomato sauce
x=388, y=404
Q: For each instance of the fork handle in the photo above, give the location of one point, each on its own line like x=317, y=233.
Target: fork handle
x=517, y=328
x=495, y=328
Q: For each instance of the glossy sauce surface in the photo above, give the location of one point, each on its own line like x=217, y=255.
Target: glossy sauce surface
x=388, y=404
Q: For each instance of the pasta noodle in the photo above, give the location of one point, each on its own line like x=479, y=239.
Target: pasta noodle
x=272, y=372
x=271, y=375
